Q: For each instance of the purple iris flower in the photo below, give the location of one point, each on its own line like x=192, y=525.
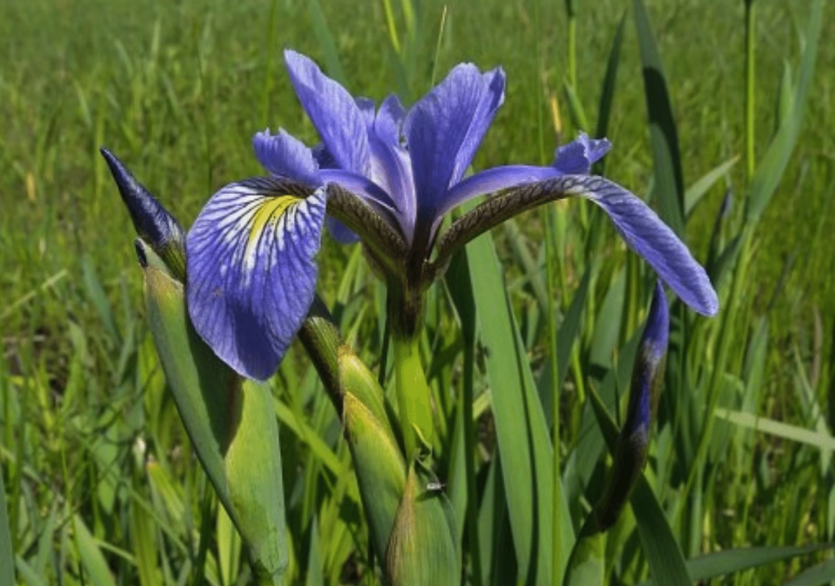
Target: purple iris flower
x=389, y=176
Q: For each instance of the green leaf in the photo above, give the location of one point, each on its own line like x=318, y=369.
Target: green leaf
x=423, y=549
x=521, y=429
x=6, y=550
x=379, y=465
x=333, y=66
x=773, y=164
x=607, y=93
x=661, y=548
x=568, y=332
x=228, y=547
x=818, y=439
x=95, y=566
x=731, y=561
x=669, y=182
x=815, y=576
x=99, y=299
x=697, y=191
x=314, y=559
x=230, y=421
x=587, y=564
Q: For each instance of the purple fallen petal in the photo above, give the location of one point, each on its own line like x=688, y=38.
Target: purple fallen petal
x=577, y=157
x=252, y=272
x=284, y=155
x=333, y=111
x=444, y=129
x=647, y=235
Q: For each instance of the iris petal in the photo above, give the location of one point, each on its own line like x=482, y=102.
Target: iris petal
x=444, y=129
x=647, y=235
x=389, y=121
x=340, y=232
x=493, y=180
x=284, y=155
x=639, y=226
x=252, y=273
x=333, y=111
x=577, y=157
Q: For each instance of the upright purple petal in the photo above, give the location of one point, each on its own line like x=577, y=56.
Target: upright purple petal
x=284, y=155
x=366, y=107
x=391, y=167
x=577, y=157
x=444, y=129
x=334, y=113
x=647, y=235
x=389, y=121
x=252, y=273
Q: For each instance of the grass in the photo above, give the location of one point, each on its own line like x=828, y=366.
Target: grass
x=98, y=479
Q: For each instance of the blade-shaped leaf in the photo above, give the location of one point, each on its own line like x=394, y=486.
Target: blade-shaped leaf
x=669, y=183
x=520, y=423
x=773, y=164
x=661, y=548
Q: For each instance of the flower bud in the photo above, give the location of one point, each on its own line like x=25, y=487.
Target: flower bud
x=633, y=442
x=151, y=220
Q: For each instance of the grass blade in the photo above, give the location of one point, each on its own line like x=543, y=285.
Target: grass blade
x=770, y=170
x=669, y=181
x=6, y=549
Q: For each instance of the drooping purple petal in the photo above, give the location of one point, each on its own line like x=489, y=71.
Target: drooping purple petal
x=284, y=155
x=333, y=111
x=444, y=129
x=252, y=272
x=574, y=158
x=577, y=157
x=651, y=238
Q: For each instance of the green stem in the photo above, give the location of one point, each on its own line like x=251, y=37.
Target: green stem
x=749, y=88
x=572, y=50
x=550, y=255
x=413, y=396
x=469, y=451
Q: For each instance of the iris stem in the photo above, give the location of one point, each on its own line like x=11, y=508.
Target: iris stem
x=413, y=395
x=550, y=259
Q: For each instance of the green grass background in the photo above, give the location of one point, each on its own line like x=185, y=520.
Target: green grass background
x=176, y=89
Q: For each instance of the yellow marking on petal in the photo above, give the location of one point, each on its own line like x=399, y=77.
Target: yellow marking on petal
x=269, y=212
